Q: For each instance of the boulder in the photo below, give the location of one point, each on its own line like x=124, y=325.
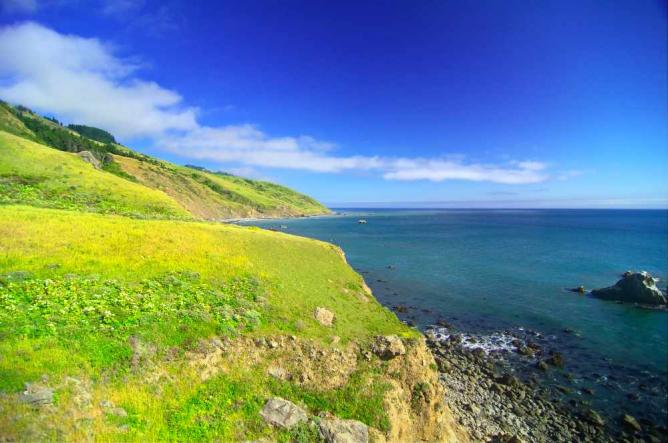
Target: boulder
x=335, y=430
x=594, y=418
x=634, y=287
x=631, y=423
x=37, y=395
x=282, y=413
x=388, y=347
x=324, y=316
x=88, y=157
x=556, y=359
x=508, y=380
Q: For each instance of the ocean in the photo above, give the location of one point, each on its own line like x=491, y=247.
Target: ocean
x=498, y=274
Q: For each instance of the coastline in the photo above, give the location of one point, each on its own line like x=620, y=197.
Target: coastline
x=278, y=218
x=494, y=404
x=498, y=396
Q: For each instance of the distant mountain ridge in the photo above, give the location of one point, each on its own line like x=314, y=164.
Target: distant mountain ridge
x=39, y=166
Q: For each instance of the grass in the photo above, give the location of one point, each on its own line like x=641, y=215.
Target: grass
x=196, y=191
x=37, y=175
x=299, y=274
x=109, y=288
x=117, y=302
x=216, y=196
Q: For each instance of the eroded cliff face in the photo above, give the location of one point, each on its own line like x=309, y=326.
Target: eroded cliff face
x=415, y=403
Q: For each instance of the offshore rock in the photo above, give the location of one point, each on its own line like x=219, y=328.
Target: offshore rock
x=634, y=287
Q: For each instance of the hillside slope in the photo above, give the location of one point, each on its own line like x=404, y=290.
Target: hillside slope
x=199, y=193
x=34, y=174
x=185, y=329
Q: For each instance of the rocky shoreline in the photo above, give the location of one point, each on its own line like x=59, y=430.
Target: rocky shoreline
x=494, y=403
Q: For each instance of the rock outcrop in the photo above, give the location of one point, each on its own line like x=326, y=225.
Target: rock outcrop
x=88, y=157
x=282, y=413
x=634, y=287
x=335, y=430
x=324, y=316
x=388, y=347
x=37, y=395
x=415, y=403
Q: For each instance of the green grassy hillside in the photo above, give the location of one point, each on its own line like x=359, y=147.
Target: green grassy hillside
x=191, y=192
x=33, y=174
x=212, y=196
x=106, y=309
x=124, y=318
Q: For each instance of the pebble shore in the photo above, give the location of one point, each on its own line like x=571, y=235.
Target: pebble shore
x=495, y=404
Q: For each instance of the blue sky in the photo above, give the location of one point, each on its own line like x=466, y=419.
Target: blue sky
x=399, y=103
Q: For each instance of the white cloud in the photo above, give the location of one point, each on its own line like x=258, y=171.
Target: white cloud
x=18, y=6
x=438, y=170
x=249, y=146
x=82, y=80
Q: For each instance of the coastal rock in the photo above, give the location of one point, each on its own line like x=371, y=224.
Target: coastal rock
x=556, y=359
x=343, y=431
x=37, y=395
x=88, y=157
x=508, y=380
x=388, y=347
x=282, y=413
x=634, y=287
x=324, y=316
x=542, y=365
x=594, y=418
x=631, y=423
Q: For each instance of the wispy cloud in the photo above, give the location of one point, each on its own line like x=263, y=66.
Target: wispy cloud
x=82, y=79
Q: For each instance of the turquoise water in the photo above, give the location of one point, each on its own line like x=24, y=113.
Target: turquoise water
x=490, y=270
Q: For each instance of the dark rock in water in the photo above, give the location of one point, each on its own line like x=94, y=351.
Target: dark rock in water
x=444, y=323
x=631, y=423
x=634, y=287
x=588, y=391
x=564, y=389
x=594, y=418
x=556, y=359
x=526, y=351
x=400, y=308
x=542, y=365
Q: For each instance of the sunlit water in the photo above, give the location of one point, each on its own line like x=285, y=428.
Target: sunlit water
x=486, y=271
